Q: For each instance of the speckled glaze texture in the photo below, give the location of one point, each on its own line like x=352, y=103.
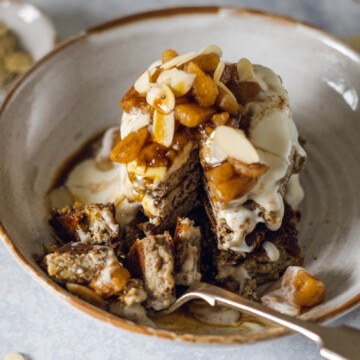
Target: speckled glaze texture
x=73, y=93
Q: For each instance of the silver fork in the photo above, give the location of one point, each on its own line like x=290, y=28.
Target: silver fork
x=336, y=343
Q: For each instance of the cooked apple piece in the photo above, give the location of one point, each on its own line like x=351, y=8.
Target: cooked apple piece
x=111, y=280
x=191, y=115
x=181, y=138
x=308, y=291
x=251, y=170
x=153, y=155
x=233, y=188
x=205, y=90
x=220, y=118
x=168, y=54
x=182, y=100
x=129, y=148
x=227, y=102
x=134, y=100
x=220, y=173
x=207, y=62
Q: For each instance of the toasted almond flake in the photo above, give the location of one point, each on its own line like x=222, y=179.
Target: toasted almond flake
x=179, y=80
x=179, y=60
x=217, y=75
x=155, y=64
x=161, y=97
x=234, y=143
x=164, y=127
x=133, y=122
x=86, y=294
x=142, y=84
x=211, y=49
x=218, y=71
x=244, y=69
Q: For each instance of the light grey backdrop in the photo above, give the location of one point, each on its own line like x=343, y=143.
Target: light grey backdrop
x=36, y=323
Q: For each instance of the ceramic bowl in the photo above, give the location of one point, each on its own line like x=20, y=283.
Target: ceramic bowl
x=73, y=92
x=34, y=28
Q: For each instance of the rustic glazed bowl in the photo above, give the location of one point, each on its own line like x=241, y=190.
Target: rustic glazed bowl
x=73, y=93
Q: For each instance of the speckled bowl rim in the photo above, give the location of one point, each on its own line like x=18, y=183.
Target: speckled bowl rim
x=104, y=315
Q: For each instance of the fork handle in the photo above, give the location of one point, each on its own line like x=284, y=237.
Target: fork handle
x=336, y=343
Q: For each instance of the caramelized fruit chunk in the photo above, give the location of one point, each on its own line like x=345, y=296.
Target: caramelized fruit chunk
x=227, y=102
x=182, y=100
x=133, y=100
x=207, y=62
x=129, y=148
x=204, y=90
x=309, y=291
x=168, y=54
x=226, y=184
x=153, y=155
x=251, y=170
x=220, y=173
x=111, y=280
x=181, y=138
x=233, y=188
x=220, y=118
x=191, y=115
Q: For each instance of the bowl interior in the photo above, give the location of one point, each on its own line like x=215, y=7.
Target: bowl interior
x=74, y=94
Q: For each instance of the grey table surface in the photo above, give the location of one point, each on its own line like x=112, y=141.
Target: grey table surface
x=39, y=325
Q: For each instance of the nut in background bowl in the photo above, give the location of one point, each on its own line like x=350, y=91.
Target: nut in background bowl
x=34, y=29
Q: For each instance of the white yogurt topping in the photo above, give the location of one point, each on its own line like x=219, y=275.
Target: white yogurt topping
x=271, y=250
x=294, y=191
x=273, y=132
x=89, y=184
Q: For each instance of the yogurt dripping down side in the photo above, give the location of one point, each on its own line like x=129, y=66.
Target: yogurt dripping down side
x=273, y=133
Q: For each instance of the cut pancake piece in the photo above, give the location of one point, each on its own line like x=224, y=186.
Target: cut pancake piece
x=187, y=240
x=90, y=224
x=151, y=259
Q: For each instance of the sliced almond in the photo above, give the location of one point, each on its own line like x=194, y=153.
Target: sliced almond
x=14, y=356
x=161, y=98
x=155, y=64
x=86, y=294
x=179, y=81
x=235, y=144
x=218, y=71
x=142, y=84
x=244, y=69
x=211, y=49
x=133, y=122
x=164, y=127
x=179, y=60
x=232, y=105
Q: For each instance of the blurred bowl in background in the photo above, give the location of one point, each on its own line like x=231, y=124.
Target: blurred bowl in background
x=35, y=30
